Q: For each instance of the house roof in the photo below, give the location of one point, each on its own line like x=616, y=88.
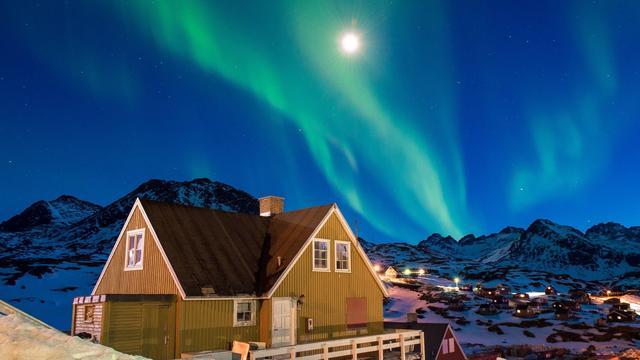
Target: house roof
x=235, y=254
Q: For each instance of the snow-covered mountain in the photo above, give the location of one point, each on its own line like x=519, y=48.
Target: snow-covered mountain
x=606, y=252
x=54, y=250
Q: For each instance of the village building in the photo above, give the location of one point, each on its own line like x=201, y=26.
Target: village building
x=391, y=273
x=440, y=341
x=524, y=310
x=621, y=316
x=502, y=289
x=550, y=291
x=521, y=296
x=487, y=309
x=500, y=302
x=562, y=314
x=566, y=304
x=580, y=296
x=486, y=292
x=182, y=279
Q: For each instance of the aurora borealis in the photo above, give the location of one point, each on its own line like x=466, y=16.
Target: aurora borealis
x=455, y=117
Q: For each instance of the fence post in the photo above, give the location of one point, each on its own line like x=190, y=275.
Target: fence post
x=325, y=351
x=403, y=355
x=422, y=355
x=252, y=355
x=354, y=350
x=292, y=353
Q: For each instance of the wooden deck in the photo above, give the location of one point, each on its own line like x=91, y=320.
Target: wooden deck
x=401, y=344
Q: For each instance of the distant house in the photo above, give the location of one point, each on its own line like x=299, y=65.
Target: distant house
x=486, y=292
x=562, y=314
x=502, y=289
x=524, y=310
x=621, y=316
x=566, y=304
x=391, y=273
x=550, y=291
x=440, y=340
x=500, y=302
x=182, y=279
x=621, y=306
x=580, y=296
x=521, y=296
x=465, y=287
x=487, y=309
x=441, y=343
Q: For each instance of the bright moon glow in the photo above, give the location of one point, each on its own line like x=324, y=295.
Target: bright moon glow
x=350, y=43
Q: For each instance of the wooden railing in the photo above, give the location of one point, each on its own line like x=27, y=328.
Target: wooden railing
x=403, y=340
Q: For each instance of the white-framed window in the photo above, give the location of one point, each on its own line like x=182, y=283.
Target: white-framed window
x=343, y=256
x=135, y=250
x=448, y=346
x=321, y=255
x=244, y=312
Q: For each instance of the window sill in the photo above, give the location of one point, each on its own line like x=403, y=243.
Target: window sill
x=343, y=271
x=321, y=270
x=241, y=324
x=133, y=268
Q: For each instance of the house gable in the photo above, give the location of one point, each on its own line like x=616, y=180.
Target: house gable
x=155, y=277
x=327, y=294
x=458, y=354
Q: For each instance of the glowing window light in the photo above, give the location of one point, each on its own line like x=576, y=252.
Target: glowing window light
x=376, y=268
x=421, y=272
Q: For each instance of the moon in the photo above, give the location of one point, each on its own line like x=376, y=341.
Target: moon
x=350, y=43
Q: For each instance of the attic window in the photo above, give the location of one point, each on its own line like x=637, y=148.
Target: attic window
x=343, y=256
x=321, y=255
x=135, y=249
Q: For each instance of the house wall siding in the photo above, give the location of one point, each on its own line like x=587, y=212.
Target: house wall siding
x=93, y=327
x=326, y=293
x=208, y=325
x=154, y=278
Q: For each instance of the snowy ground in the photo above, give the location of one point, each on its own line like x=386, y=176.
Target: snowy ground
x=50, y=298
x=475, y=335
x=21, y=338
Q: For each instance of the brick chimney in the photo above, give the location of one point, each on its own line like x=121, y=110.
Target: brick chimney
x=271, y=205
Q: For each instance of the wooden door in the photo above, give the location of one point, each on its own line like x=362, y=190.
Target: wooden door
x=157, y=332
x=283, y=322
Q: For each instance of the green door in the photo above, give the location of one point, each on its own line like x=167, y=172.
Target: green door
x=157, y=332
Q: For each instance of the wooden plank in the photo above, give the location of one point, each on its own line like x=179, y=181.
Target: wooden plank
x=354, y=350
x=403, y=355
x=380, y=349
x=325, y=351
x=422, y=357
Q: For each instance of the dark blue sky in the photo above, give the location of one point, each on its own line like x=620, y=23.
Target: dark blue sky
x=453, y=117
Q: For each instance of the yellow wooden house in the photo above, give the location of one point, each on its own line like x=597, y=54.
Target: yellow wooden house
x=183, y=279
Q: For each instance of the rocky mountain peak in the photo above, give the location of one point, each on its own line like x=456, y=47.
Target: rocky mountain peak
x=64, y=210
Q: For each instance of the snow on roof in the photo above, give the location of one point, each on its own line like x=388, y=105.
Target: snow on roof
x=21, y=338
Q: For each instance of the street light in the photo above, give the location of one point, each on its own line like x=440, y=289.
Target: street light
x=456, y=280
x=407, y=272
x=421, y=272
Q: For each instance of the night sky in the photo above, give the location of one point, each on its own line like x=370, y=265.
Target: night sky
x=453, y=117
